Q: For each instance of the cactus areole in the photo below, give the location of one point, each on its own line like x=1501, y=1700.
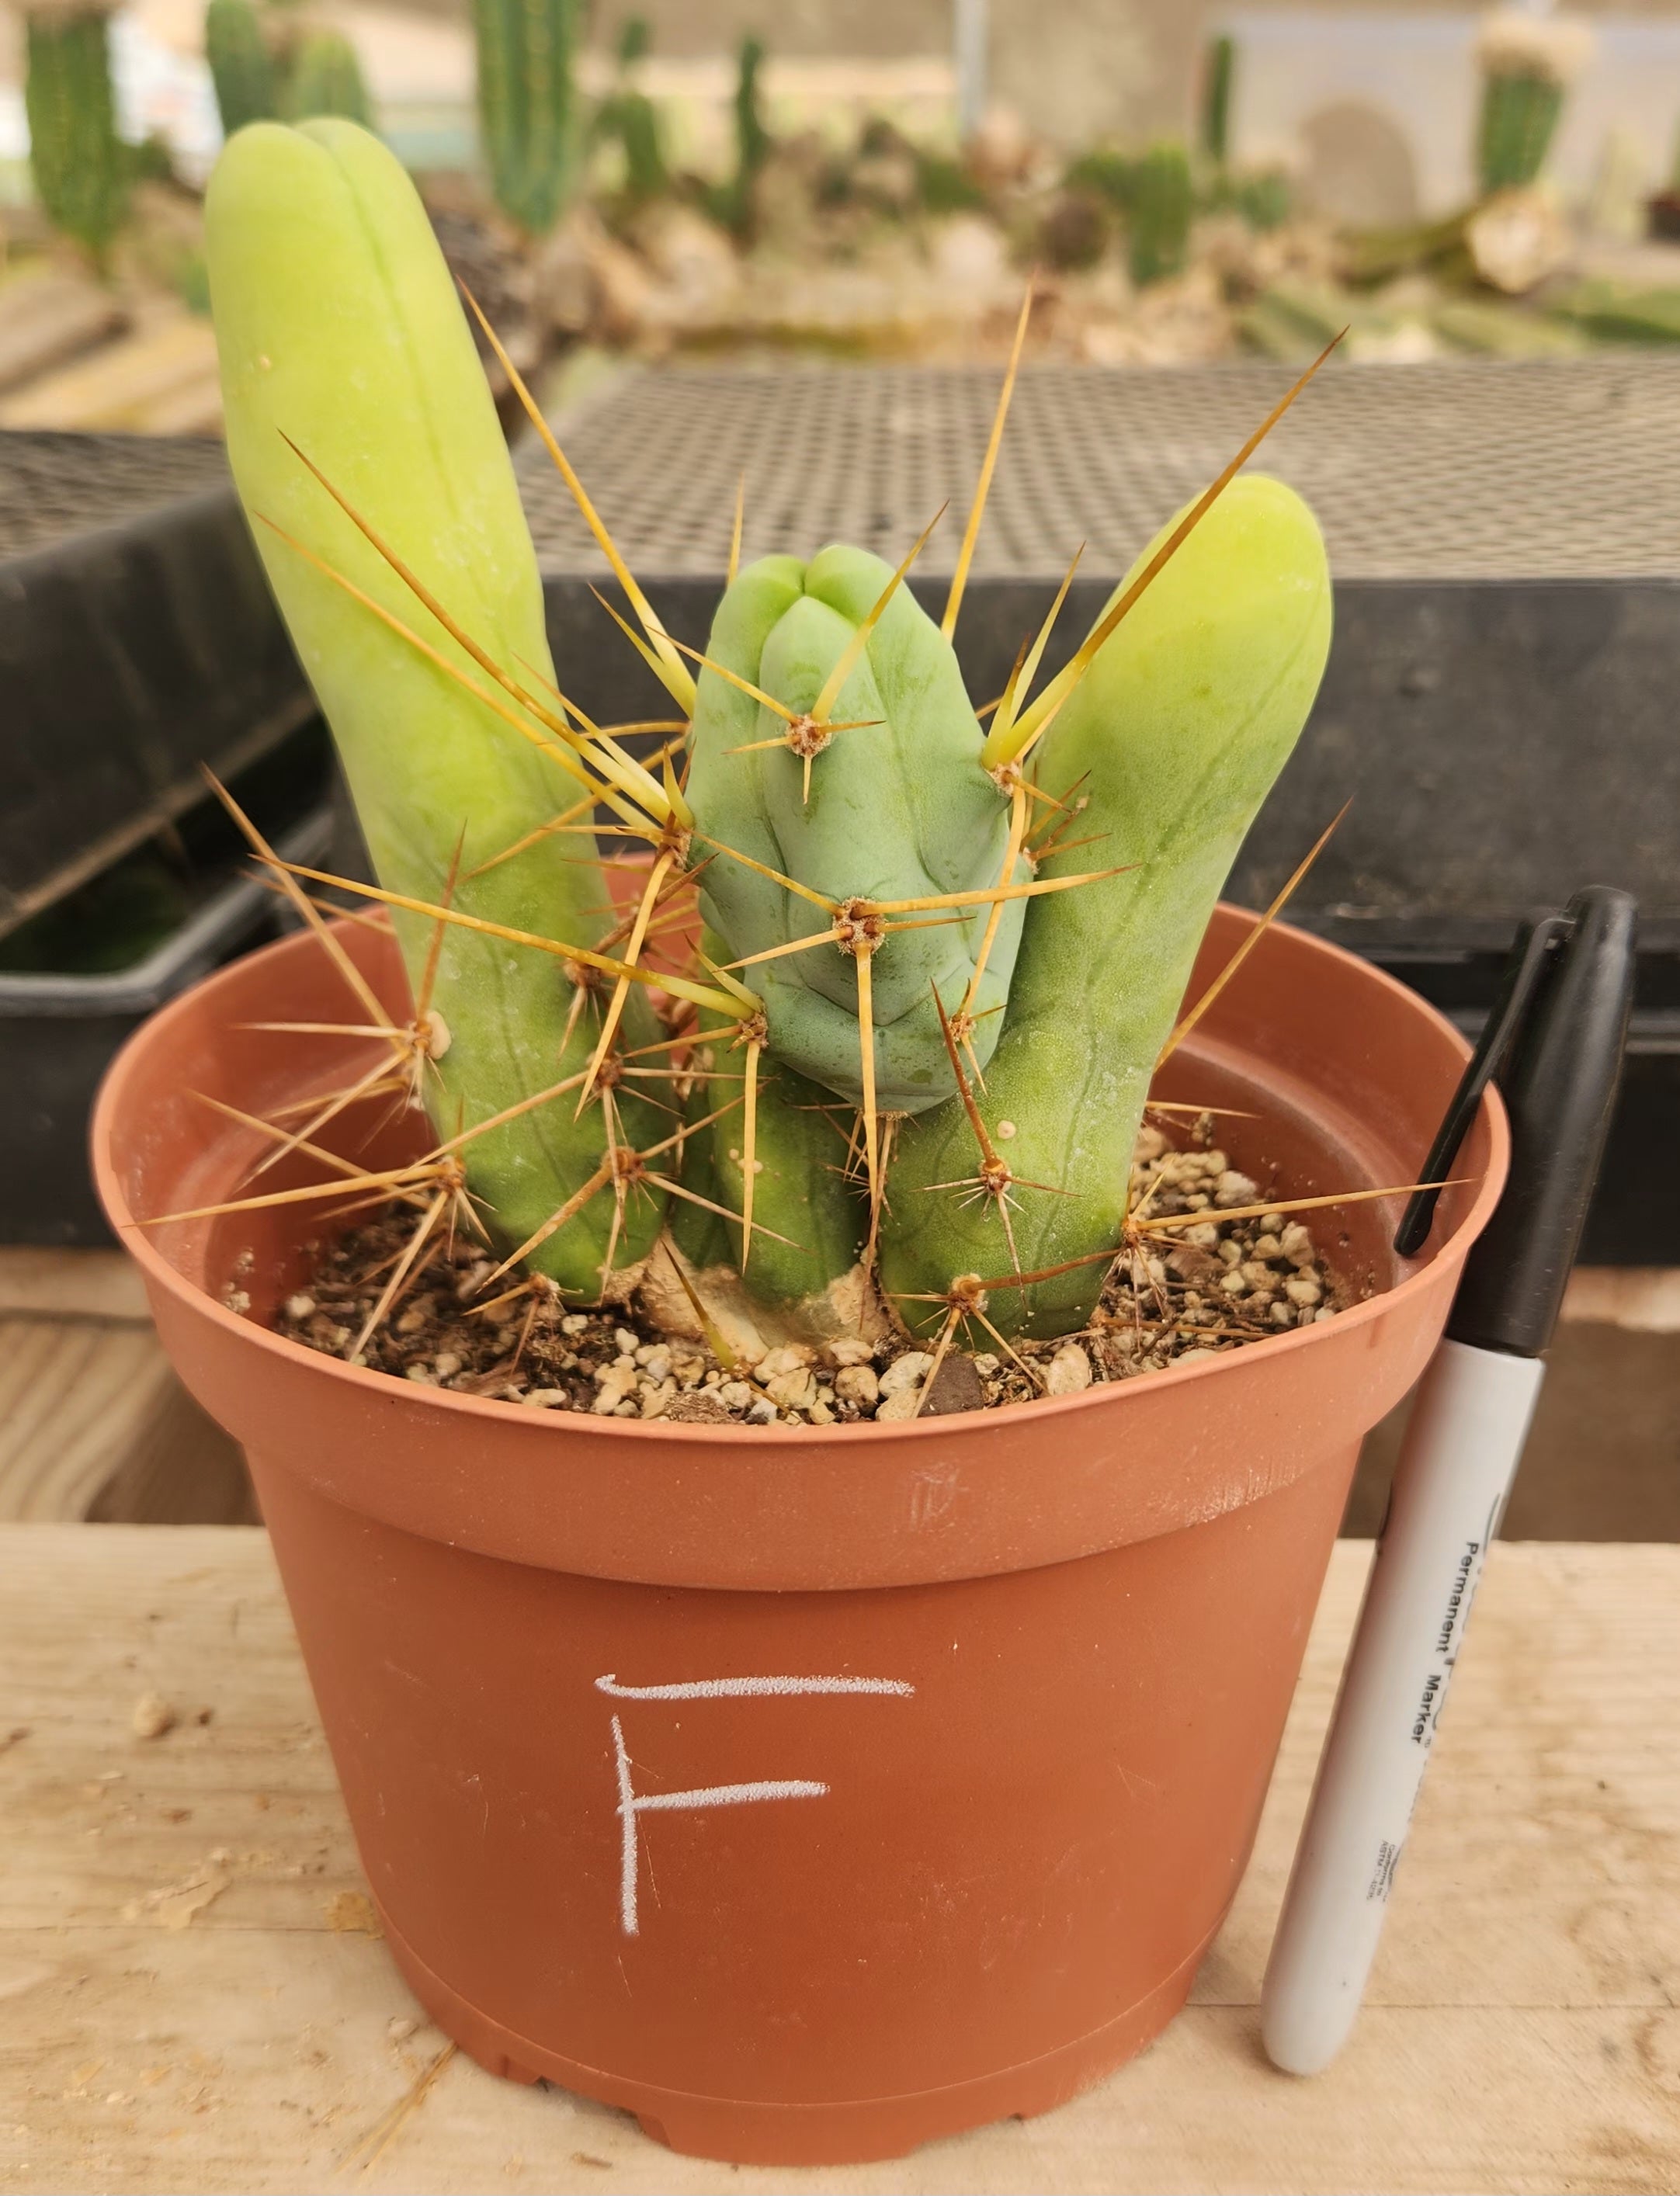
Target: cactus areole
x=870, y=1036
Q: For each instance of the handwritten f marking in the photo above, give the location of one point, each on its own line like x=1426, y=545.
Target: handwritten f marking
x=632, y=1804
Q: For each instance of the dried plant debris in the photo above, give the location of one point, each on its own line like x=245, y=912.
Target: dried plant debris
x=1237, y=1275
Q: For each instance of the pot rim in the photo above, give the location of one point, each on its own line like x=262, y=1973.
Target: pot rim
x=135, y=1237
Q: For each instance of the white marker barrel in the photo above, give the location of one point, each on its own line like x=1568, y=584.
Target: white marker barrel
x=1466, y=1436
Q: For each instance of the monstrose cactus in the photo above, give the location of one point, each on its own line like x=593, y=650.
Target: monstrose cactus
x=866, y=1029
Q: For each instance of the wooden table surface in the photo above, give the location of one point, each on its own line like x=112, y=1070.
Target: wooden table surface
x=191, y=1997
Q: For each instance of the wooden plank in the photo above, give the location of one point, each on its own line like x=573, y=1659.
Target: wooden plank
x=1521, y=2033
x=75, y=1397
x=47, y=317
x=1602, y=1461
x=93, y=1423
x=112, y=389
x=56, y=1284
x=1643, y=1298
x=195, y=408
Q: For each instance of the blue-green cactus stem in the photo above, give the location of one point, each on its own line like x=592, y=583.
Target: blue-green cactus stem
x=900, y=809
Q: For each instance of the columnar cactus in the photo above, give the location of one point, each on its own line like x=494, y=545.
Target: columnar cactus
x=326, y=78
x=1161, y=204
x=242, y=67
x=628, y=117
x=78, y=161
x=340, y=333
x=1219, y=68
x=736, y=200
x=1527, y=64
x=527, y=105
x=914, y=1008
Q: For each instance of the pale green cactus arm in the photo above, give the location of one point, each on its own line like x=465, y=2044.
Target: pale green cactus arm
x=1174, y=736
x=338, y=325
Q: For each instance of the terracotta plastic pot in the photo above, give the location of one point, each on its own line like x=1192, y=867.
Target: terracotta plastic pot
x=809, y=1792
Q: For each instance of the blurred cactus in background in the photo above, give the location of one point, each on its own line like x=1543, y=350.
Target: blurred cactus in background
x=733, y=203
x=1111, y=174
x=1265, y=200
x=265, y=64
x=1218, y=67
x=1162, y=202
x=628, y=117
x=752, y=139
x=1527, y=63
x=80, y=166
x=326, y=78
x=528, y=107
x=241, y=66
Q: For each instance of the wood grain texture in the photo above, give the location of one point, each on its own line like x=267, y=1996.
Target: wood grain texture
x=190, y=1999
x=75, y=1395
x=93, y=1423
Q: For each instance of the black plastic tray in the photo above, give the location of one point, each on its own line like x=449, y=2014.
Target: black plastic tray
x=138, y=639
x=58, y=1035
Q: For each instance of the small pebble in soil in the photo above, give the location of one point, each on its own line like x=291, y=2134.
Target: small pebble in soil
x=1209, y=1272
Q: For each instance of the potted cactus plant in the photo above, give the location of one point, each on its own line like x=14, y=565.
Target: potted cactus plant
x=738, y=1724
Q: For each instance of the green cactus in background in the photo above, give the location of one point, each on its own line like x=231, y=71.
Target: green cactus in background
x=1218, y=70
x=527, y=105
x=1264, y=200
x=1519, y=111
x=80, y=165
x=1528, y=62
x=325, y=79
x=752, y=139
x=910, y=1015
x=734, y=202
x=628, y=117
x=242, y=67
x=1161, y=204
x=1112, y=175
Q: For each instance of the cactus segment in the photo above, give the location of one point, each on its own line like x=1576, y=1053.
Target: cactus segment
x=327, y=80
x=527, y=107
x=242, y=67
x=1186, y=715
x=1219, y=66
x=337, y=325
x=810, y=1217
x=1520, y=113
x=78, y=163
x=1161, y=204
x=628, y=117
x=899, y=809
x=734, y=202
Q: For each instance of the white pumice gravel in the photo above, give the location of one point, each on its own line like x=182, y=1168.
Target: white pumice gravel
x=1182, y=1294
